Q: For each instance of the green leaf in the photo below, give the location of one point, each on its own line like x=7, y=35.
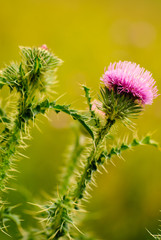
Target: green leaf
x=82, y=119
x=88, y=97
x=74, y=114
x=147, y=140
x=39, y=60
x=93, y=115
x=124, y=147
x=135, y=142
x=10, y=76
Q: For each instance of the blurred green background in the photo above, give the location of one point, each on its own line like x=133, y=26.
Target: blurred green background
x=87, y=35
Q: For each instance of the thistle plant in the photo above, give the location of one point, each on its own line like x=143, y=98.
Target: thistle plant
x=125, y=90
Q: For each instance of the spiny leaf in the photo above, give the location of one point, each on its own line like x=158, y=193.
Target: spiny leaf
x=10, y=76
x=135, y=142
x=39, y=66
x=42, y=107
x=124, y=146
x=75, y=115
x=93, y=115
x=148, y=141
x=36, y=59
x=88, y=97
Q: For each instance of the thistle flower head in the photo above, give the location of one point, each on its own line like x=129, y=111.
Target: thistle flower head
x=130, y=78
x=39, y=65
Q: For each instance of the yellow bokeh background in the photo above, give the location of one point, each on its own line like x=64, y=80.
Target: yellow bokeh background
x=87, y=35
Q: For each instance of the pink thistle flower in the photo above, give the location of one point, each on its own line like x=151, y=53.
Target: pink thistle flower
x=130, y=78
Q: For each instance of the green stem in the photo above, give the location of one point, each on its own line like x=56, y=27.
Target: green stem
x=12, y=136
x=91, y=162
x=8, y=151
x=60, y=211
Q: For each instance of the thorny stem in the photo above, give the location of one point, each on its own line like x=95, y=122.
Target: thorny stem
x=91, y=162
x=9, y=148
x=12, y=138
x=72, y=197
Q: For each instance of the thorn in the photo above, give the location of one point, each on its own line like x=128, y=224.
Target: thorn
x=113, y=163
x=85, y=200
x=104, y=169
x=91, y=189
x=58, y=191
x=38, y=128
x=94, y=183
x=99, y=171
x=88, y=194
x=77, y=229
x=22, y=155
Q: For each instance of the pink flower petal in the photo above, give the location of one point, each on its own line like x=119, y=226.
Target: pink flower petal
x=131, y=78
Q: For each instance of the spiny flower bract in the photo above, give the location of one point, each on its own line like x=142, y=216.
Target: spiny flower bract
x=130, y=78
